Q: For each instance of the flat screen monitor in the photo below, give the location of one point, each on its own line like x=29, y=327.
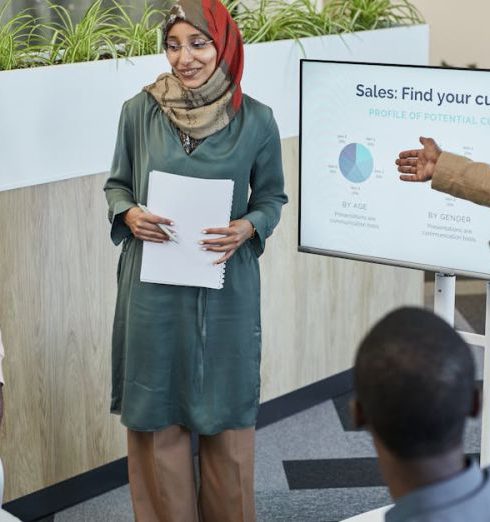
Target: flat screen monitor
x=355, y=119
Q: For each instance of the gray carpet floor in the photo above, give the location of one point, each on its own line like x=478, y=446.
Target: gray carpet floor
x=311, y=467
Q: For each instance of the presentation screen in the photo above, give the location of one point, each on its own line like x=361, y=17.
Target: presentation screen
x=355, y=119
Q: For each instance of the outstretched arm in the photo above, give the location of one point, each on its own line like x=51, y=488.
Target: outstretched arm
x=456, y=175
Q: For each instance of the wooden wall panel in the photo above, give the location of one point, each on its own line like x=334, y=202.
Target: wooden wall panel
x=57, y=294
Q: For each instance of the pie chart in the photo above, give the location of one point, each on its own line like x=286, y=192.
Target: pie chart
x=356, y=163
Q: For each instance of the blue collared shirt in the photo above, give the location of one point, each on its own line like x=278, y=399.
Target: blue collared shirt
x=462, y=498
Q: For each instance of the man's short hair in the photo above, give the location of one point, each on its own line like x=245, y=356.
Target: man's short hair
x=414, y=379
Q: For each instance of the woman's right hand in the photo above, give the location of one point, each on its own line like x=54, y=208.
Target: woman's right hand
x=144, y=226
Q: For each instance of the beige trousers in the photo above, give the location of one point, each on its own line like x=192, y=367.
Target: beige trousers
x=161, y=476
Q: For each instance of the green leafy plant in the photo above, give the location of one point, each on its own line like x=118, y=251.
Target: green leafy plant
x=365, y=15
x=91, y=39
x=111, y=32
x=279, y=20
x=15, y=38
x=271, y=20
x=449, y=66
x=137, y=38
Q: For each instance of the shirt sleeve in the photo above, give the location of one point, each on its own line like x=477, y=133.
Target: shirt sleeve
x=2, y=353
x=267, y=188
x=462, y=178
x=119, y=187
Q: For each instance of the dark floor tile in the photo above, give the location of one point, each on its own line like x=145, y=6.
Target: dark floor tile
x=336, y=473
x=342, y=405
x=40, y=504
x=472, y=307
x=332, y=473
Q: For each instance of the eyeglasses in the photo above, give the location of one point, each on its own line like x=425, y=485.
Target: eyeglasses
x=194, y=47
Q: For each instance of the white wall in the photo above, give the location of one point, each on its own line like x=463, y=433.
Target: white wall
x=459, y=31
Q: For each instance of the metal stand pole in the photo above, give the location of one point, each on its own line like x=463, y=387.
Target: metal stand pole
x=445, y=297
x=485, y=414
x=444, y=306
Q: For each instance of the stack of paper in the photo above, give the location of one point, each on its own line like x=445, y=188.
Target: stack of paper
x=193, y=204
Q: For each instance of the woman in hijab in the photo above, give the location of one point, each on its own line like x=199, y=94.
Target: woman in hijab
x=187, y=359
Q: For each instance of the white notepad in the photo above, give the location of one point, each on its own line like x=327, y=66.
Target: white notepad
x=193, y=204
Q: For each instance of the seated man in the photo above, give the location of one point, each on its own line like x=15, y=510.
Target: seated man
x=414, y=381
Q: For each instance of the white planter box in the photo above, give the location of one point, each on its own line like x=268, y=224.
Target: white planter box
x=60, y=122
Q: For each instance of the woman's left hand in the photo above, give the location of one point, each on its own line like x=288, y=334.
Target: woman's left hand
x=233, y=237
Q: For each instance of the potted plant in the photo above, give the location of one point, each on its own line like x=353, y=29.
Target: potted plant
x=73, y=81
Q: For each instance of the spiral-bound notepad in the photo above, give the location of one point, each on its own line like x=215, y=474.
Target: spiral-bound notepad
x=193, y=204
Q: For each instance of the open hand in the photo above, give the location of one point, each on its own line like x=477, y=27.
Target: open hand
x=232, y=238
x=144, y=226
x=419, y=165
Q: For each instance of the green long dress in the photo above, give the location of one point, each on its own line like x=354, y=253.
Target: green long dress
x=186, y=355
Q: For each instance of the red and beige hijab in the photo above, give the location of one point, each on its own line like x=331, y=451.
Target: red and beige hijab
x=207, y=109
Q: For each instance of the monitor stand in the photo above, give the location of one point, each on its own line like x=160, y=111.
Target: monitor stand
x=444, y=306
